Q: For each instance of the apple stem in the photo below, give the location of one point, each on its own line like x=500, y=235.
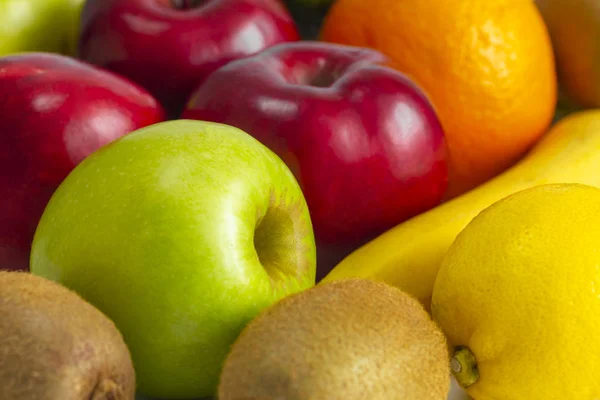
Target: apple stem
x=464, y=367
x=186, y=4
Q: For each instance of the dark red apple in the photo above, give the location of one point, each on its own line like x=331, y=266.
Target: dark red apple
x=361, y=138
x=170, y=46
x=54, y=112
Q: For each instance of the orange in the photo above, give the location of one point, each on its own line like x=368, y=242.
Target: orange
x=487, y=66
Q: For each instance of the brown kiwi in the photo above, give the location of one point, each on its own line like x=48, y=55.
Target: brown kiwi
x=348, y=339
x=56, y=346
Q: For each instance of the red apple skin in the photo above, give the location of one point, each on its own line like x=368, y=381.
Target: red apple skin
x=54, y=112
x=170, y=51
x=364, y=142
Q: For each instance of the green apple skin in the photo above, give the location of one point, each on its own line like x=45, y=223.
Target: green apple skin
x=180, y=232
x=39, y=25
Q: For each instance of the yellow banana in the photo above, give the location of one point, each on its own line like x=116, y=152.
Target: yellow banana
x=409, y=255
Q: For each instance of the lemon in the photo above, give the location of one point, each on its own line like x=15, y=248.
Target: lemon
x=518, y=296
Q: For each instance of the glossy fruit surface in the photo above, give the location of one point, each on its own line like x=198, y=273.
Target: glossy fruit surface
x=409, y=255
x=54, y=112
x=181, y=233
x=362, y=139
x=170, y=46
x=39, y=25
x=488, y=67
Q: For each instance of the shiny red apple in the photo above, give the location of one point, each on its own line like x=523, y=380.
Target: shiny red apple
x=169, y=46
x=364, y=142
x=54, y=112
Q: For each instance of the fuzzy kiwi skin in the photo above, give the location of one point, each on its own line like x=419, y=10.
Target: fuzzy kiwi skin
x=56, y=346
x=348, y=339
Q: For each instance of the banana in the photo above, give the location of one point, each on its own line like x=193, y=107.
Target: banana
x=409, y=255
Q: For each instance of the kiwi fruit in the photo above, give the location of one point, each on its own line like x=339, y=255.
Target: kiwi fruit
x=347, y=339
x=56, y=346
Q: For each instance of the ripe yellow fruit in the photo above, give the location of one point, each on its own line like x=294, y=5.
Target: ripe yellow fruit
x=518, y=296
x=409, y=255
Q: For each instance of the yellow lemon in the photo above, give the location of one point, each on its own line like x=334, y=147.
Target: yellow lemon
x=518, y=296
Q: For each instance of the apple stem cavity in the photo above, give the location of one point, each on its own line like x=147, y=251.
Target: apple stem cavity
x=186, y=4
x=324, y=75
x=323, y=79
x=464, y=366
x=275, y=244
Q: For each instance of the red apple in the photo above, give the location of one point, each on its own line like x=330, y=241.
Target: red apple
x=170, y=46
x=361, y=138
x=54, y=111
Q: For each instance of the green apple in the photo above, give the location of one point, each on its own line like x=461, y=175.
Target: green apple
x=181, y=232
x=39, y=25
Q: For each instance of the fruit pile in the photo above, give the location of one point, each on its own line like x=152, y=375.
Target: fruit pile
x=300, y=200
